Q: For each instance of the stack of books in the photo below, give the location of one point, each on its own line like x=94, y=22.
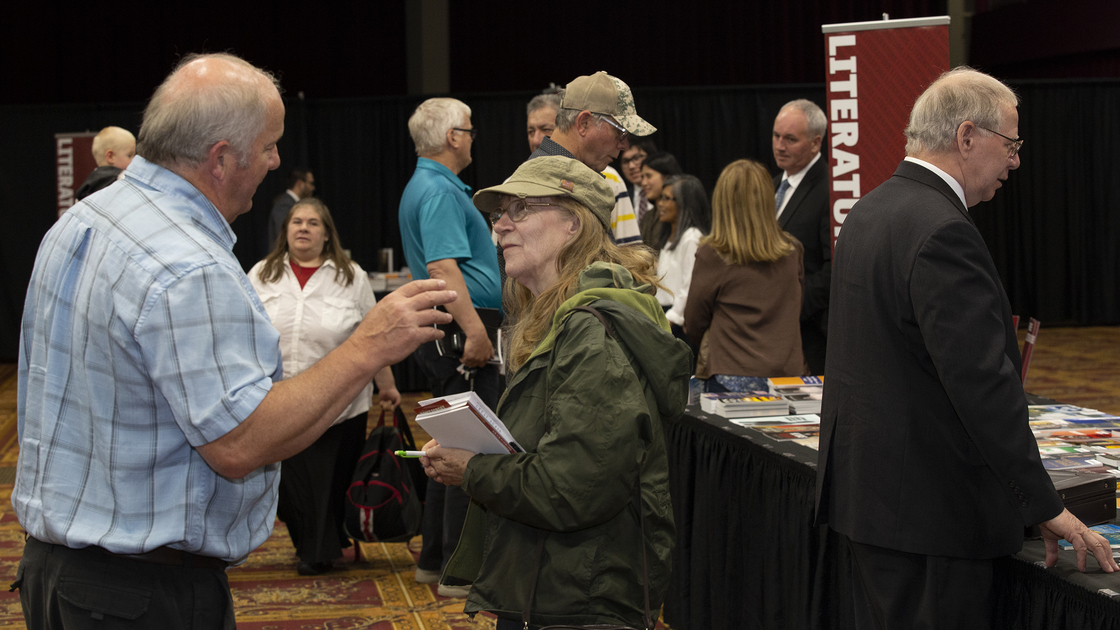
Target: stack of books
x=464, y=421
x=1080, y=449
x=744, y=404
x=803, y=393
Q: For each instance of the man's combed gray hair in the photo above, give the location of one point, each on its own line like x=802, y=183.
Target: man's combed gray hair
x=542, y=101
x=814, y=116
x=428, y=125
x=180, y=126
x=956, y=96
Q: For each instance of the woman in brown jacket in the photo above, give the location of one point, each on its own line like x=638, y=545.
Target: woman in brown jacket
x=745, y=296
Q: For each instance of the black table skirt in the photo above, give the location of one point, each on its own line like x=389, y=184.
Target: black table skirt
x=749, y=556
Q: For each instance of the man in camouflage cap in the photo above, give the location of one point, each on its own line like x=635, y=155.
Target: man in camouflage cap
x=594, y=124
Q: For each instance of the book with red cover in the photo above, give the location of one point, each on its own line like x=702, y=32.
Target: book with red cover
x=464, y=421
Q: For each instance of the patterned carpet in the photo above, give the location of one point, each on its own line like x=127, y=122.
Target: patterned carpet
x=1075, y=365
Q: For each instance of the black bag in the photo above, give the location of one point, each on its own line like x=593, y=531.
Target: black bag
x=381, y=502
x=419, y=479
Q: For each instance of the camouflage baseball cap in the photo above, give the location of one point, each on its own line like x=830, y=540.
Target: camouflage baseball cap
x=601, y=93
x=553, y=176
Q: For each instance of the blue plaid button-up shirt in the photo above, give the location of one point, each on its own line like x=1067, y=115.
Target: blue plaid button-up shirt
x=142, y=338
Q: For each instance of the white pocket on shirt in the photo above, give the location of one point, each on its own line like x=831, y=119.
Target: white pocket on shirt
x=340, y=314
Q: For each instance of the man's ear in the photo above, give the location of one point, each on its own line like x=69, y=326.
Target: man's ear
x=220, y=159
x=583, y=121
x=452, y=141
x=966, y=137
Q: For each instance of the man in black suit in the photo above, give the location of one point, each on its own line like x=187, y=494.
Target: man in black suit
x=802, y=202
x=301, y=185
x=927, y=464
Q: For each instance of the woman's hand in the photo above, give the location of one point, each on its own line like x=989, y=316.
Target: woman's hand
x=445, y=465
x=389, y=398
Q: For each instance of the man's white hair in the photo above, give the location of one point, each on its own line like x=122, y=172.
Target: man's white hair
x=181, y=125
x=956, y=96
x=816, y=121
x=428, y=125
x=114, y=138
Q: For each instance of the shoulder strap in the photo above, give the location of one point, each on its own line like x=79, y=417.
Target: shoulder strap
x=602, y=318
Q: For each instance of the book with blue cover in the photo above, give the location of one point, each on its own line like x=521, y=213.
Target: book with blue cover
x=1110, y=532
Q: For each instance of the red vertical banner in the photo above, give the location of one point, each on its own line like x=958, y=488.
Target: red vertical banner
x=874, y=72
x=73, y=164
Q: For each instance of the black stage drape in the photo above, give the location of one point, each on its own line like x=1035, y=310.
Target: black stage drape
x=1053, y=229
x=749, y=556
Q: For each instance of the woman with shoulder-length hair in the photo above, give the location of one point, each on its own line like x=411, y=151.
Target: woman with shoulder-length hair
x=683, y=206
x=595, y=374
x=656, y=168
x=316, y=296
x=745, y=298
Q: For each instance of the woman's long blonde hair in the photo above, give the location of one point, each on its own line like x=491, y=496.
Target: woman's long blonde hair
x=533, y=314
x=273, y=266
x=744, y=226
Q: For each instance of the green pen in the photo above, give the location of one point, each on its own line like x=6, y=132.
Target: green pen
x=411, y=454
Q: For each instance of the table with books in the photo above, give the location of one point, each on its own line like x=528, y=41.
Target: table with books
x=749, y=556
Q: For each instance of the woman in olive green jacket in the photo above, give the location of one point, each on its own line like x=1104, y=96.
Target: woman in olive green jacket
x=587, y=404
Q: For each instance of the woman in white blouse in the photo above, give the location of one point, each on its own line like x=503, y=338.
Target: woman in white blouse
x=683, y=205
x=316, y=296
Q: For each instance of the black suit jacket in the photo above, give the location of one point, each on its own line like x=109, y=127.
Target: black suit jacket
x=925, y=446
x=807, y=217
x=280, y=208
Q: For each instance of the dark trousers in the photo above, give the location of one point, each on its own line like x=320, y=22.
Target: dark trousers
x=445, y=507
x=312, y=494
x=813, y=344
x=907, y=591
x=62, y=588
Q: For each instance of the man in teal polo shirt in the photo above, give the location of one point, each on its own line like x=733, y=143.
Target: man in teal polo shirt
x=445, y=237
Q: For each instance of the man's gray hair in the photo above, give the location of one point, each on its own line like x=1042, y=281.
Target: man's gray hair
x=181, y=125
x=566, y=116
x=542, y=101
x=428, y=125
x=814, y=116
x=956, y=96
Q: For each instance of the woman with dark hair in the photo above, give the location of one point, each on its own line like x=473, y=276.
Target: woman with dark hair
x=744, y=303
x=683, y=206
x=316, y=296
x=562, y=532
x=655, y=170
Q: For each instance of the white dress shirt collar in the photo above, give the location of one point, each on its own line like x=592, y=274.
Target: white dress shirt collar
x=795, y=180
x=954, y=184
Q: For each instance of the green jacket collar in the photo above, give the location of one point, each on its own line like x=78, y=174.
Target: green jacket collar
x=605, y=281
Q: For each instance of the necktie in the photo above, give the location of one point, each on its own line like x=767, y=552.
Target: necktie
x=643, y=204
x=780, y=195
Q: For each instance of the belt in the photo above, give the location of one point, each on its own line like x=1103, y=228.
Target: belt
x=159, y=555
x=173, y=557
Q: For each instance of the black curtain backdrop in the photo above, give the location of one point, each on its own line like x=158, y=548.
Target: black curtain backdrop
x=1053, y=228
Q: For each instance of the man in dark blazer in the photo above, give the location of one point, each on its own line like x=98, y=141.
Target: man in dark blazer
x=927, y=464
x=301, y=185
x=802, y=204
